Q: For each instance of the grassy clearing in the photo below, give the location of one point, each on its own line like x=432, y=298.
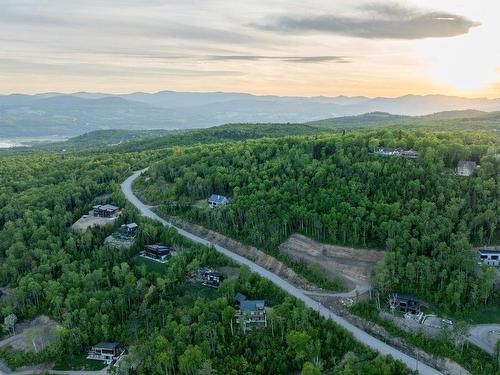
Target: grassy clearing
x=79, y=362
x=151, y=265
x=487, y=314
x=193, y=291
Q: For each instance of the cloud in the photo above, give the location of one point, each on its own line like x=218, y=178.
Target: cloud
x=378, y=21
x=292, y=59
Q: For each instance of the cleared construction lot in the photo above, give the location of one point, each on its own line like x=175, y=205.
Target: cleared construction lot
x=335, y=260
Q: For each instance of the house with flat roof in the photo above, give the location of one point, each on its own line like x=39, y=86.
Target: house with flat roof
x=404, y=303
x=106, y=210
x=158, y=252
x=216, y=200
x=489, y=256
x=106, y=351
x=410, y=154
x=209, y=277
x=466, y=168
x=250, y=312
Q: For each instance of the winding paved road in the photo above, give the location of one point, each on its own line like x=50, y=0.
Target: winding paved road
x=360, y=335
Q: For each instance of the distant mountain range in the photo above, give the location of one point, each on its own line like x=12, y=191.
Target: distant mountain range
x=73, y=114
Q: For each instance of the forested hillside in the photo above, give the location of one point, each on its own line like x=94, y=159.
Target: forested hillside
x=332, y=188
x=98, y=293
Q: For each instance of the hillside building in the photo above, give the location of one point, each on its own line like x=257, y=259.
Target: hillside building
x=489, y=256
x=158, y=252
x=404, y=303
x=466, y=168
x=250, y=312
x=209, y=277
x=217, y=200
x=128, y=230
x=106, y=210
x=106, y=351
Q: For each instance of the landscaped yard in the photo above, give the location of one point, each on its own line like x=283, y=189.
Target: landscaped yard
x=78, y=363
x=151, y=265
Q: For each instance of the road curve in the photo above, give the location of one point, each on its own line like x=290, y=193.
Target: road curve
x=359, y=334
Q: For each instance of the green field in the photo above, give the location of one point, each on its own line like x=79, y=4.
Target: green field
x=488, y=314
x=151, y=265
x=78, y=363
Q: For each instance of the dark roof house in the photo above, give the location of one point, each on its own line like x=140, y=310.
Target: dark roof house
x=106, y=210
x=128, y=230
x=404, y=303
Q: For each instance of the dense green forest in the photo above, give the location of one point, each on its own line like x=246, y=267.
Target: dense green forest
x=98, y=293
x=332, y=188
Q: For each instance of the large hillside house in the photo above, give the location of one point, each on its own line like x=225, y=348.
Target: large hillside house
x=466, y=168
x=128, y=230
x=158, y=252
x=387, y=151
x=106, y=351
x=106, y=210
x=209, y=277
x=217, y=200
x=489, y=256
x=249, y=312
x=404, y=303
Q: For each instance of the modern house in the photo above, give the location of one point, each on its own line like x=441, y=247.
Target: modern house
x=387, y=151
x=217, y=200
x=404, y=303
x=411, y=154
x=466, y=168
x=128, y=230
x=209, y=277
x=489, y=256
x=106, y=351
x=158, y=252
x=250, y=311
x=106, y=210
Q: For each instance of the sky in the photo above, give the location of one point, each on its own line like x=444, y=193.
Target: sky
x=300, y=48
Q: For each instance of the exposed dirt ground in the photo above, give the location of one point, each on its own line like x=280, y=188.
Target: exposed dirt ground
x=88, y=221
x=38, y=333
x=356, y=263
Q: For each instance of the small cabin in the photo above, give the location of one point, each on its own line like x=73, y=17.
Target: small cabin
x=217, y=200
x=489, y=256
x=404, y=303
x=106, y=210
x=466, y=168
x=158, y=252
x=128, y=230
x=106, y=351
x=209, y=277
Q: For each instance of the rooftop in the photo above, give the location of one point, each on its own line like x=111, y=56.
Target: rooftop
x=106, y=207
x=108, y=345
x=218, y=198
x=248, y=305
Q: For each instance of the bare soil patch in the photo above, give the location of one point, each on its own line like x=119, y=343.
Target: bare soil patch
x=356, y=263
x=33, y=335
x=88, y=221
